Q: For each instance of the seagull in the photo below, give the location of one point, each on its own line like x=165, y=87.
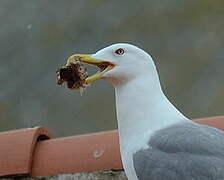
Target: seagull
x=157, y=142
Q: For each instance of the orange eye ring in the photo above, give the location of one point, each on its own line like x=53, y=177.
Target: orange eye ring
x=119, y=51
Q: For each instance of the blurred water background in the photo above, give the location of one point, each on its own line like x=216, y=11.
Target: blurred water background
x=185, y=37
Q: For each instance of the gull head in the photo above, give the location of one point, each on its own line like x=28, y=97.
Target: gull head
x=119, y=63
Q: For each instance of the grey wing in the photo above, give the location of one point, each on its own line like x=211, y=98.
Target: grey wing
x=185, y=151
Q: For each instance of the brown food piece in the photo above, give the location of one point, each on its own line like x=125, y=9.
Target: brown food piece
x=73, y=74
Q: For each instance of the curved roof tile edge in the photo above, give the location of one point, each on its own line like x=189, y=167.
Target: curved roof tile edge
x=17, y=150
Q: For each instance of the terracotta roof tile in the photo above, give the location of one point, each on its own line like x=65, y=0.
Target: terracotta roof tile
x=23, y=152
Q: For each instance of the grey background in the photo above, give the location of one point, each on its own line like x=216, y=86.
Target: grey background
x=185, y=37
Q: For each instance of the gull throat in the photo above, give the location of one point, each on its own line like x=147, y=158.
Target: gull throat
x=142, y=106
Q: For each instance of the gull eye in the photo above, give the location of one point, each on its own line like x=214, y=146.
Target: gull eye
x=119, y=51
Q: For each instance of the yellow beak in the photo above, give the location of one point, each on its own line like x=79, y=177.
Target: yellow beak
x=102, y=64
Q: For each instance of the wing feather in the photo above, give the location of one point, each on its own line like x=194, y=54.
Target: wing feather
x=182, y=151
